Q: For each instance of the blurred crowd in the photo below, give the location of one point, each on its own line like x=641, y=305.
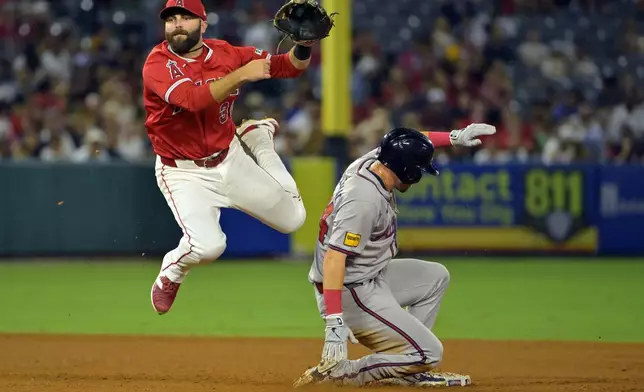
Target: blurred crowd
x=561, y=79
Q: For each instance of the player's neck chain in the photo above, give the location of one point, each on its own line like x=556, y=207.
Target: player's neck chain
x=194, y=50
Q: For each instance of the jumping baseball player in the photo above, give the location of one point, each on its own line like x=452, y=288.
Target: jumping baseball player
x=361, y=290
x=190, y=87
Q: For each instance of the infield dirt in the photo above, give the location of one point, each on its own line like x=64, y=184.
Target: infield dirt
x=52, y=363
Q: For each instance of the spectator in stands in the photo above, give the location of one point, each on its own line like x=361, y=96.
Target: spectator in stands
x=55, y=127
x=28, y=147
x=532, y=51
x=579, y=138
x=94, y=147
x=6, y=133
x=66, y=79
x=556, y=66
x=497, y=48
x=584, y=66
x=131, y=142
x=626, y=117
x=367, y=133
x=55, y=150
x=492, y=154
x=259, y=32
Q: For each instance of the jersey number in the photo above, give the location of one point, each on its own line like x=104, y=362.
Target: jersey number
x=324, y=225
x=225, y=110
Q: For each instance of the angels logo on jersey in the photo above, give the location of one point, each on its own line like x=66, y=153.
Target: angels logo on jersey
x=175, y=72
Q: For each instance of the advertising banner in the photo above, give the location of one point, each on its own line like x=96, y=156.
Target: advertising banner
x=501, y=208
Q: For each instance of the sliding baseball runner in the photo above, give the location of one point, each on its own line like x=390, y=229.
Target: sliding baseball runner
x=362, y=289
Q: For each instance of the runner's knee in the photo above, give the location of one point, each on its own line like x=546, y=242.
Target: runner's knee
x=442, y=275
x=432, y=350
x=426, y=363
x=208, y=251
x=433, y=353
x=438, y=274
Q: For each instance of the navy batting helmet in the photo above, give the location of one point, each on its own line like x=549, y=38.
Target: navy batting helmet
x=408, y=153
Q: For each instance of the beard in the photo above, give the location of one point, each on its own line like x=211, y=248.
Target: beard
x=181, y=45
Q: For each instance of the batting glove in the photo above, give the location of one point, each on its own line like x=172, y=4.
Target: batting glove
x=468, y=136
x=335, y=339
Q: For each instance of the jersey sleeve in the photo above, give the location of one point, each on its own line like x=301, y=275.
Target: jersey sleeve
x=281, y=65
x=352, y=227
x=165, y=78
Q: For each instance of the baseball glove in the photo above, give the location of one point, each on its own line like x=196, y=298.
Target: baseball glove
x=303, y=21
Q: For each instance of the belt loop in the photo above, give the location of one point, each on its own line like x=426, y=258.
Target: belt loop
x=168, y=162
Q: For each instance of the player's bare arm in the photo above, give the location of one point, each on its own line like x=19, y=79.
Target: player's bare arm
x=336, y=332
x=334, y=266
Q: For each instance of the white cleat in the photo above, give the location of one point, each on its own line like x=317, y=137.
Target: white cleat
x=429, y=380
x=443, y=379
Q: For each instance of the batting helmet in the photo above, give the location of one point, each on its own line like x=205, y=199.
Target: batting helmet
x=408, y=153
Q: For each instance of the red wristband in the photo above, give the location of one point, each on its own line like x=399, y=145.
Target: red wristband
x=333, y=301
x=439, y=139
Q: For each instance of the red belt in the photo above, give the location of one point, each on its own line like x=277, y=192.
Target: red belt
x=205, y=162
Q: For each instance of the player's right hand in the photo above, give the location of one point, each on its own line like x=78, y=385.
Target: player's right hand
x=335, y=339
x=469, y=136
x=256, y=70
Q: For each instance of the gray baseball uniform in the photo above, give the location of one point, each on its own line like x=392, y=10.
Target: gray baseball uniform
x=360, y=221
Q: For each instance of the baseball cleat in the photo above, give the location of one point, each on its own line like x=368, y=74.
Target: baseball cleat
x=315, y=375
x=269, y=124
x=441, y=379
x=164, y=291
x=428, y=380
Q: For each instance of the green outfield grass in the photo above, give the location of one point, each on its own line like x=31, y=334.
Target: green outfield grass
x=554, y=299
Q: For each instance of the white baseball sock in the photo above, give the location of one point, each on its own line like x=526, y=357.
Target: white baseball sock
x=261, y=144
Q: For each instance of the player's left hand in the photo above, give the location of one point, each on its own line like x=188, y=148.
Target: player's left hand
x=335, y=340
x=468, y=136
x=305, y=22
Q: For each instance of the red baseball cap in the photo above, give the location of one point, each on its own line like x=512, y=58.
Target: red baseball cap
x=194, y=7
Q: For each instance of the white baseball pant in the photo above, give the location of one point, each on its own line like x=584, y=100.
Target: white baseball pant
x=264, y=190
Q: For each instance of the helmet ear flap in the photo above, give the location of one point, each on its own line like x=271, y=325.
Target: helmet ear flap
x=414, y=174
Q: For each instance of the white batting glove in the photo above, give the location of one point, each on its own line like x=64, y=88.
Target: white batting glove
x=335, y=339
x=468, y=136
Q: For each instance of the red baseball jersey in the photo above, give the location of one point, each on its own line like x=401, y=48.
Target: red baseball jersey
x=183, y=120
